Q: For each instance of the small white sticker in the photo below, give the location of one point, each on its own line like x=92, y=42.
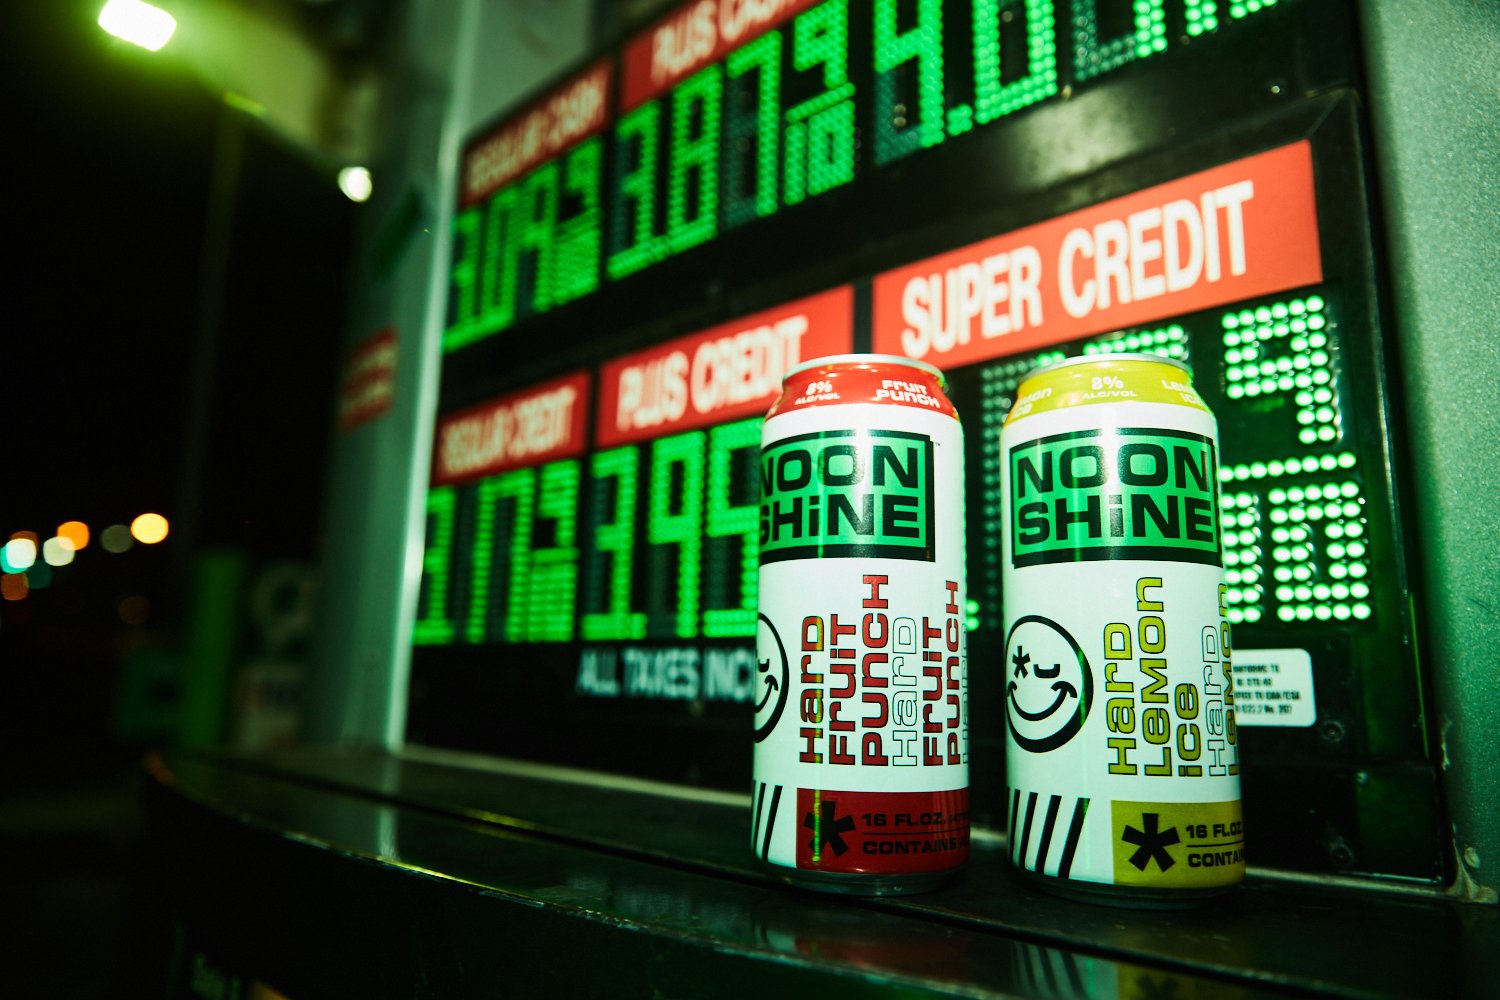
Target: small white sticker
x=1273, y=687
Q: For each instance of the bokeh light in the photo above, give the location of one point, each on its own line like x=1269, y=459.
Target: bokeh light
x=138, y=23
x=116, y=538
x=149, y=529
x=76, y=532
x=57, y=551
x=18, y=554
x=13, y=586
x=356, y=183
x=134, y=610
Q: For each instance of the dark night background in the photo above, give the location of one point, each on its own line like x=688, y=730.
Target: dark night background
x=109, y=153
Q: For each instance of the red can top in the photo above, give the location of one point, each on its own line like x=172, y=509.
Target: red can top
x=885, y=379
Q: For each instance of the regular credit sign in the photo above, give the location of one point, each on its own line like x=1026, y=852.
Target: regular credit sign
x=1236, y=231
x=722, y=373
x=537, y=424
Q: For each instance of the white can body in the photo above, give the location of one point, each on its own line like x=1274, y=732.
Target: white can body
x=861, y=753
x=1121, y=749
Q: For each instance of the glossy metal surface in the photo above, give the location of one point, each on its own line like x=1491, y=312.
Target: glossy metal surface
x=325, y=874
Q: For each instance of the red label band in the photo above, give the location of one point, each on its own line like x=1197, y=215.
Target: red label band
x=882, y=833
x=538, y=424
x=1236, y=231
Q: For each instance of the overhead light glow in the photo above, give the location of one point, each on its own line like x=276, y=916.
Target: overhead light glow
x=18, y=555
x=76, y=532
x=116, y=538
x=149, y=529
x=57, y=551
x=138, y=23
x=356, y=183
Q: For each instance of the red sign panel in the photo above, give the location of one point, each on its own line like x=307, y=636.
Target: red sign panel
x=694, y=36
x=1244, y=229
x=369, y=382
x=566, y=116
x=722, y=373
x=529, y=427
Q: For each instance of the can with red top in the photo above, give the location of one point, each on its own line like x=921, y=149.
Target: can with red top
x=861, y=716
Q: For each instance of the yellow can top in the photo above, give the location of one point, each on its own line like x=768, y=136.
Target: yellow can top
x=1105, y=378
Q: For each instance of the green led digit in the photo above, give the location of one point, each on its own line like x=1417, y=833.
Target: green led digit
x=1244, y=8
x=554, y=569
x=902, y=129
x=1093, y=55
x=614, y=538
x=684, y=528
x=434, y=628
x=633, y=228
x=759, y=130
x=575, y=259
x=519, y=486
x=994, y=99
x=463, y=278
x=534, y=223
x=497, y=279
x=1202, y=16
x=1242, y=534
x=820, y=131
x=695, y=160
x=726, y=519
x=1319, y=555
x=1283, y=347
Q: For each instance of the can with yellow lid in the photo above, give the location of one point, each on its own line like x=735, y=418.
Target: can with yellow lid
x=1122, y=755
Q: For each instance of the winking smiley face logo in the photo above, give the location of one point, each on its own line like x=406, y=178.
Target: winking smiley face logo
x=1050, y=688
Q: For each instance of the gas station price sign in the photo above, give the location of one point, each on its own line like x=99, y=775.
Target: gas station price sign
x=987, y=185
x=526, y=234
x=654, y=533
x=725, y=113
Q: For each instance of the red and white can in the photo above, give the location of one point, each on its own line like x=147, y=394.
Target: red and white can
x=861, y=716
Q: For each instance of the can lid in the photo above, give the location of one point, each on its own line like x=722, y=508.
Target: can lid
x=1084, y=359
x=855, y=359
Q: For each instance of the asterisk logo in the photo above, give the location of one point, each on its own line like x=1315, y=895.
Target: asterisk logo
x=1151, y=843
x=826, y=828
x=1020, y=660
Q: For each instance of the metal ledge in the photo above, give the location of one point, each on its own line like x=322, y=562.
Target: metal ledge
x=325, y=873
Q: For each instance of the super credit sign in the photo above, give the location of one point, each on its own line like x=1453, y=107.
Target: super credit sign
x=1230, y=233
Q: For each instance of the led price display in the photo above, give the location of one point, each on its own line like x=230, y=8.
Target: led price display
x=527, y=233
x=989, y=185
x=731, y=112
x=653, y=535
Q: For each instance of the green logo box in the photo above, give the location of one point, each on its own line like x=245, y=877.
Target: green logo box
x=1123, y=493
x=846, y=493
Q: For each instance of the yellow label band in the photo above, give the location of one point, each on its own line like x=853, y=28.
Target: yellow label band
x=1175, y=845
x=1104, y=381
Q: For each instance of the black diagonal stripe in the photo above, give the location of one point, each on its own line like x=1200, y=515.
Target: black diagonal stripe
x=765, y=847
x=1042, y=845
x=1075, y=830
x=1015, y=806
x=1026, y=828
x=760, y=801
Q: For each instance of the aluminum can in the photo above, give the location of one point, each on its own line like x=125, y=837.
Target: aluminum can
x=1122, y=757
x=861, y=715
